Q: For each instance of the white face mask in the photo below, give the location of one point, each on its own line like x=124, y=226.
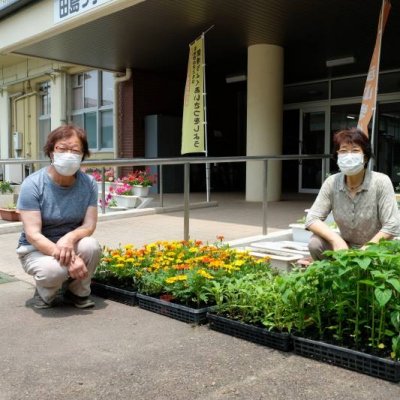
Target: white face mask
x=351, y=163
x=66, y=164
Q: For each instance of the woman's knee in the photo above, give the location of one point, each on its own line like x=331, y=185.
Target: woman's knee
x=50, y=273
x=316, y=247
x=89, y=246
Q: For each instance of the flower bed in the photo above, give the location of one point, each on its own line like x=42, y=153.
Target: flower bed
x=186, y=270
x=345, y=306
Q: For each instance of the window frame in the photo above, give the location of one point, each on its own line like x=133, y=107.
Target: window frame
x=98, y=110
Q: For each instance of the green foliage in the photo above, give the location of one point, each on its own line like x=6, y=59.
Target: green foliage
x=5, y=187
x=352, y=297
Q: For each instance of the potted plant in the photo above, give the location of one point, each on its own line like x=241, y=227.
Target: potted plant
x=346, y=309
x=6, y=194
x=123, y=194
x=10, y=213
x=110, y=203
x=109, y=178
x=141, y=181
x=252, y=307
x=184, y=270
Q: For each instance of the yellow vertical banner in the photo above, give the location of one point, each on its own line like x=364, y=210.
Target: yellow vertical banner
x=193, y=107
x=371, y=85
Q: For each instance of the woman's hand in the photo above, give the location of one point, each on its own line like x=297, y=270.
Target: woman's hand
x=338, y=243
x=64, y=251
x=77, y=269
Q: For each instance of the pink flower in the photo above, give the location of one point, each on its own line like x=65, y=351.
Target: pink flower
x=124, y=189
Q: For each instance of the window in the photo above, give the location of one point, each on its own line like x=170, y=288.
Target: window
x=306, y=92
x=44, y=115
x=92, y=107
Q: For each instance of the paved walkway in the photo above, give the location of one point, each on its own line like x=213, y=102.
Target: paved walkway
x=119, y=352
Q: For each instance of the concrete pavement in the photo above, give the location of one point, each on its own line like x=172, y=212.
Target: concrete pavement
x=119, y=352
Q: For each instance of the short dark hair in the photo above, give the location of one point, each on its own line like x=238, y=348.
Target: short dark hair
x=352, y=136
x=65, y=132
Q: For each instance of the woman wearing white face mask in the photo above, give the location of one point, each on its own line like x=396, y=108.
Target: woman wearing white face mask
x=58, y=207
x=362, y=201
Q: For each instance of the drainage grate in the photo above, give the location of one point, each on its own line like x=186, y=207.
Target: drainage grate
x=4, y=278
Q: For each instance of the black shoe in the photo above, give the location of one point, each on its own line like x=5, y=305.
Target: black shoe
x=78, y=301
x=39, y=303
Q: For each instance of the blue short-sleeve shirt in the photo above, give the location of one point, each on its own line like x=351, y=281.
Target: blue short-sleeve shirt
x=62, y=208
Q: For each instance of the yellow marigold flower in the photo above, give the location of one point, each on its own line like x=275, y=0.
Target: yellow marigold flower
x=130, y=260
x=193, y=250
x=151, y=247
x=239, y=263
x=177, y=278
x=128, y=246
x=204, y=274
x=120, y=265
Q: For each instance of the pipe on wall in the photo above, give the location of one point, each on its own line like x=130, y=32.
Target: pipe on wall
x=117, y=81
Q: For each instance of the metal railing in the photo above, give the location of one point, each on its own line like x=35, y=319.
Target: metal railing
x=186, y=162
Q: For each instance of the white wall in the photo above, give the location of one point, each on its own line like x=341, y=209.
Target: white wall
x=4, y=125
x=34, y=23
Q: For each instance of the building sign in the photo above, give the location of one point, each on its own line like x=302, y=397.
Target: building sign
x=193, y=108
x=9, y=6
x=65, y=9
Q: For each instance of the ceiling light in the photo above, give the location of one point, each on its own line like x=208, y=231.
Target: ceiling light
x=340, y=61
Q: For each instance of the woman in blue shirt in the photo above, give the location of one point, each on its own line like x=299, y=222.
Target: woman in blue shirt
x=58, y=207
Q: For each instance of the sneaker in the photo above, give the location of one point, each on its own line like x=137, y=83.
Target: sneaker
x=78, y=301
x=39, y=303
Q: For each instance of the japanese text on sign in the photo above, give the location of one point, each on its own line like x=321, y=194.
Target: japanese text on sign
x=64, y=9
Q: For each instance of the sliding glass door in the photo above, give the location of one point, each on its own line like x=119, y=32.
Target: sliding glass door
x=314, y=139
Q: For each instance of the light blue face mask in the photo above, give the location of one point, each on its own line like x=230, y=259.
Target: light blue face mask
x=351, y=163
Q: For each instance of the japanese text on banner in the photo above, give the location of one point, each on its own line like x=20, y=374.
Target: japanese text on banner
x=193, y=107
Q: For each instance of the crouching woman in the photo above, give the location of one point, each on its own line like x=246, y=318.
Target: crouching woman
x=58, y=207
x=362, y=202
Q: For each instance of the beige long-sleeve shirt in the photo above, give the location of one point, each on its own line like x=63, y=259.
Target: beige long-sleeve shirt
x=359, y=219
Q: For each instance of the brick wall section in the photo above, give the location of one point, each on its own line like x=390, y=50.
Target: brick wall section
x=145, y=94
x=125, y=119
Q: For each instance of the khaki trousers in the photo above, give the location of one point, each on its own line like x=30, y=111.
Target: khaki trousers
x=317, y=246
x=49, y=275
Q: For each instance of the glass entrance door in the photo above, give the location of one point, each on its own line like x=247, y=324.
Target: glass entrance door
x=387, y=141
x=314, y=139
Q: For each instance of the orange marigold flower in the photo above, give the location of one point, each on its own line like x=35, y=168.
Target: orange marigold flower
x=179, y=267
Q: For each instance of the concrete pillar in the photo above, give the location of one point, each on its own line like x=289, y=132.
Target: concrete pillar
x=4, y=125
x=264, y=118
x=58, y=100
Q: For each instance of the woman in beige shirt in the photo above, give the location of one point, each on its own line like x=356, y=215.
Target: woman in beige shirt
x=362, y=202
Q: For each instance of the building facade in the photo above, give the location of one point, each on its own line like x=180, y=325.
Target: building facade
x=282, y=76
